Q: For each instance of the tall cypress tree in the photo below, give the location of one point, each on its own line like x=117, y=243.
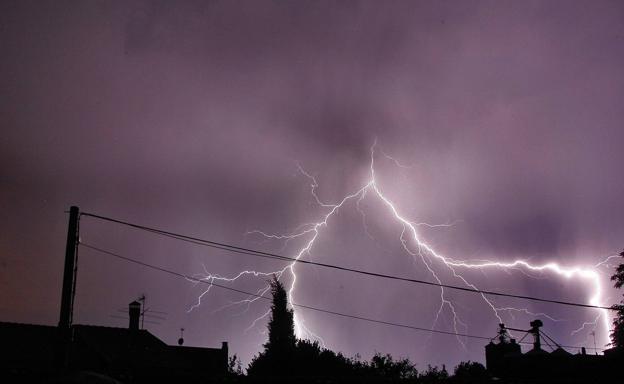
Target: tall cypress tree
x=281, y=326
x=277, y=359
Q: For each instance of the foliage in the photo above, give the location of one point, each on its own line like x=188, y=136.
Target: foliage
x=385, y=366
x=277, y=357
x=281, y=326
x=311, y=360
x=287, y=359
x=470, y=372
x=617, y=334
x=433, y=375
x=234, y=366
x=618, y=277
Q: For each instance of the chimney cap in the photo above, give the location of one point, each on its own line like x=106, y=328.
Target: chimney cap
x=135, y=304
x=536, y=323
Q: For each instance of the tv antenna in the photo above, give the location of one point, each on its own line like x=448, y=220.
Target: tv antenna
x=142, y=299
x=153, y=316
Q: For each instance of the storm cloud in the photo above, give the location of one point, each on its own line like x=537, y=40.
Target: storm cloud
x=194, y=116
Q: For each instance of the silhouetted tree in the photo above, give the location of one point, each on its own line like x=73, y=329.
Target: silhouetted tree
x=470, y=372
x=286, y=358
x=617, y=335
x=313, y=361
x=433, y=375
x=278, y=354
x=234, y=366
x=388, y=368
x=282, y=325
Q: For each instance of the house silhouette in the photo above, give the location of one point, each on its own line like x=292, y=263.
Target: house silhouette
x=31, y=352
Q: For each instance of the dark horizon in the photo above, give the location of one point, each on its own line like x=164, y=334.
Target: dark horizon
x=495, y=129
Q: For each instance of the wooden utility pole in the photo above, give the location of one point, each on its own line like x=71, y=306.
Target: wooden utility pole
x=69, y=273
x=67, y=295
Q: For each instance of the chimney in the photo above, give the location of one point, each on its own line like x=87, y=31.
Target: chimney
x=535, y=326
x=224, y=356
x=134, y=310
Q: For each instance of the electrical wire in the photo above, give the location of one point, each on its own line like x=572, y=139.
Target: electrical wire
x=253, y=252
x=308, y=307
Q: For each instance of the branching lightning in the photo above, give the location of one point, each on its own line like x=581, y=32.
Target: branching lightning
x=415, y=247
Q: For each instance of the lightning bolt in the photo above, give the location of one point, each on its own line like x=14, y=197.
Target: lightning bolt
x=415, y=247
x=511, y=310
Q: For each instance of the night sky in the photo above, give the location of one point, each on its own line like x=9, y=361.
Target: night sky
x=502, y=119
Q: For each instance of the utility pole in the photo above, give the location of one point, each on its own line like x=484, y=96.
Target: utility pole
x=69, y=287
x=69, y=273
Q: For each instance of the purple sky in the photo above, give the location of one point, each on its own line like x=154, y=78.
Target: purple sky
x=193, y=116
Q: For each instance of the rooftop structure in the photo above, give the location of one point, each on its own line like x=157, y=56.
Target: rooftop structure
x=126, y=354
x=505, y=360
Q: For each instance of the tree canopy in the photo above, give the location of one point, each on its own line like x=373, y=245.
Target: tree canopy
x=276, y=359
x=286, y=358
x=282, y=324
x=617, y=334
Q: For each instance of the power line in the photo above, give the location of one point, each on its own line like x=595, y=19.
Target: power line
x=256, y=253
x=195, y=279
x=316, y=309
